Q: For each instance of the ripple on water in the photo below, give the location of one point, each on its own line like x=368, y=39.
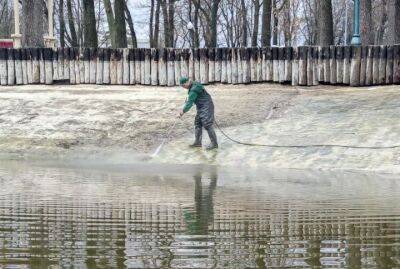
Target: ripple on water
x=204, y=218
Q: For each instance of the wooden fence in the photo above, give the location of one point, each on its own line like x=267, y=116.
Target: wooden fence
x=305, y=66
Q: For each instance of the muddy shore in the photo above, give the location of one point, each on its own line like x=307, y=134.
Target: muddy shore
x=41, y=121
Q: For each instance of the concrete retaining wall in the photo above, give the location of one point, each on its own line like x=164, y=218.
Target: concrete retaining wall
x=304, y=66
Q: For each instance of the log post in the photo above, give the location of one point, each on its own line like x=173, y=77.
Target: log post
x=382, y=65
x=113, y=66
x=355, y=66
x=143, y=66
x=131, y=57
x=281, y=64
x=246, y=66
x=224, y=78
x=82, y=65
x=77, y=65
x=260, y=65
x=138, y=64
x=154, y=67
x=295, y=67
x=171, y=67
x=24, y=67
x=339, y=65
x=72, y=78
x=218, y=64
x=346, y=64
x=303, y=52
x=204, y=66
x=147, y=67
x=48, y=64
x=185, y=63
x=375, y=65
x=211, y=65
x=42, y=68
x=100, y=66
x=106, y=66
x=264, y=64
x=18, y=67
x=120, y=67
x=269, y=65
x=60, y=53
x=228, y=66
x=253, y=64
x=35, y=65
x=29, y=66
x=327, y=66
x=332, y=65
x=321, y=70
x=368, y=68
x=234, y=64
x=93, y=65
x=177, y=66
x=288, y=63
x=125, y=66
x=275, y=64
x=191, y=65
x=363, y=65
x=66, y=63
x=389, y=65
x=196, y=57
x=162, y=67
x=55, y=64
x=396, y=64
x=315, y=57
x=237, y=53
x=10, y=67
x=310, y=66
x=86, y=62
x=3, y=66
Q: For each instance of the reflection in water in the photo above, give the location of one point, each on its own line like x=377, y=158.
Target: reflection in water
x=53, y=217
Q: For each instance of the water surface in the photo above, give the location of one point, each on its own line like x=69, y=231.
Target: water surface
x=196, y=217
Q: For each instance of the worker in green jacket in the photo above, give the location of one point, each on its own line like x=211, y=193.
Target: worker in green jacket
x=205, y=112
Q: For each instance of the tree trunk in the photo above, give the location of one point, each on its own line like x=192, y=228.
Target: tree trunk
x=196, y=39
x=71, y=25
x=287, y=23
x=119, y=24
x=33, y=23
x=89, y=24
x=266, y=24
x=393, y=21
x=244, y=23
x=166, y=23
x=213, y=23
x=130, y=24
x=157, y=25
x=325, y=23
x=275, y=31
x=62, y=24
x=254, y=40
x=381, y=28
x=171, y=11
x=110, y=21
x=367, y=32
x=151, y=38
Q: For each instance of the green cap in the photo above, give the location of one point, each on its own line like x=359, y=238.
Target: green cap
x=183, y=80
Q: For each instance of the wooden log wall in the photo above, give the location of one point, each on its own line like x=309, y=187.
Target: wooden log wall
x=304, y=66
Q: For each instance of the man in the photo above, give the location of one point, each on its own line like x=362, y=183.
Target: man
x=205, y=112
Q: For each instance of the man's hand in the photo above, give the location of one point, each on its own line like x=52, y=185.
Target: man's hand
x=180, y=114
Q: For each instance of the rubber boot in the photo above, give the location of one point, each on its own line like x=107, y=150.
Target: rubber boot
x=198, y=132
x=213, y=138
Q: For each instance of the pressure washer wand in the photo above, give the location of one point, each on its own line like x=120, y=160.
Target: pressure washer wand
x=157, y=151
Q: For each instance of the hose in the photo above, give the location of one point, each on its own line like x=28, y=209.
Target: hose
x=301, y=146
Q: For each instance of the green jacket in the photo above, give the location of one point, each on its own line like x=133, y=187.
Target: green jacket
x=195, y=90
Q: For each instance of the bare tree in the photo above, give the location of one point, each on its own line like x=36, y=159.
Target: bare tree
x=367, y=33
x=33, y=23
x=89, y=26
x=325, y=23
x=266, y=23
x=393, y=21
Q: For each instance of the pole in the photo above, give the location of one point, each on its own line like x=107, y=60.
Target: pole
x=17, y=34
x=356, y=40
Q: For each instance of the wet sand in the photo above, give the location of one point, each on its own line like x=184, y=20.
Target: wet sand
x=118, y=122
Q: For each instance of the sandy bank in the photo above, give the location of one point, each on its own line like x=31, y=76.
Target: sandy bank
x=40, y=120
